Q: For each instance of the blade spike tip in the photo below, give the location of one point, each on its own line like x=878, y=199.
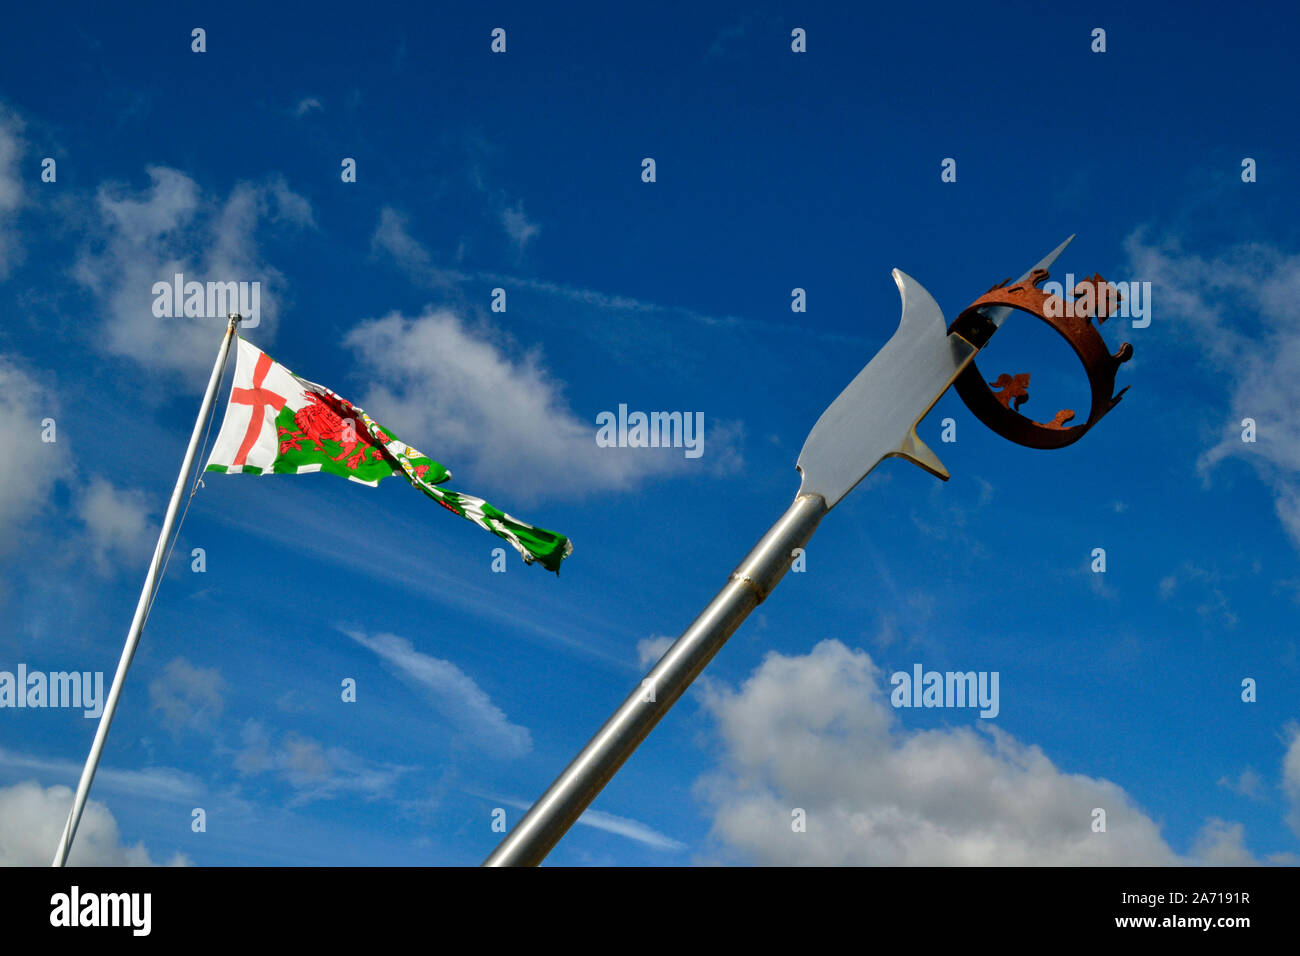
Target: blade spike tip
x=920, y=454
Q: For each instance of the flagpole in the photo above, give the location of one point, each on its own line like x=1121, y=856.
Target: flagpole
x=146, y=598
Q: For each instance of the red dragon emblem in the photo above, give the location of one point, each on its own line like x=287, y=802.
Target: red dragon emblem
x=319, y=420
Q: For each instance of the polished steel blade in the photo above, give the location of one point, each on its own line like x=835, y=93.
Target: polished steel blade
x=998, y=313
x=875, y=417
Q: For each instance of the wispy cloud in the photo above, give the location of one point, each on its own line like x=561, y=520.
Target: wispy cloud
x=313, y=770
x=608, y=822
x=27, y=479
x=1236, y=311
x=726, y=42
x=1248, y=784
x=12, y=148
x=308, y=104
x=1206, y=592
x=311, y=512
x=518, y=226
x=152, y=783
x=1291, y=776
x=187, y=696
x=452, y=692
x=117, y=523
x=392, y=237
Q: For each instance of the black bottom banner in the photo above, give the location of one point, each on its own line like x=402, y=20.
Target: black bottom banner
x=333, y=905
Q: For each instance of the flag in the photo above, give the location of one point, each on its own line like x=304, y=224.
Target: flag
x=279, y=424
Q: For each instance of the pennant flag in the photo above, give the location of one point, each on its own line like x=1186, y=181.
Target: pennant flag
x=279, y=424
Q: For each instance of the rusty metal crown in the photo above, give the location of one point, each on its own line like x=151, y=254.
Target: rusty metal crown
x=1095, y=298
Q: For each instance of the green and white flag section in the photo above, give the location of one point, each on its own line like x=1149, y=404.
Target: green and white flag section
x=279, y=424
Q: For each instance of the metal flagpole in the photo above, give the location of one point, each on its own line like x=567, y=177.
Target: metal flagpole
x=557, y=810
x=142, y=607
x=875, y=417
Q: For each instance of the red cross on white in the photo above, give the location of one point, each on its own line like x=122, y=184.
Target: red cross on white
x=262, y=388
x=260, y=399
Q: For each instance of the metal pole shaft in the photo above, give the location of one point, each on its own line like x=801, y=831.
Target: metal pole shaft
x=142, y=606
x=565, y=800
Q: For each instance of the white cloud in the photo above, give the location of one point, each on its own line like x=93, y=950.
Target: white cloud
x=457, y=395
x=517, y=225
x=817, y=732
x=1291, y=777
x=1220, y=843
x=287, y=205
x=629, y=828
x=32, y=819
x=511, y=214
x=118, y=525
x=633, y=307
x=392, y=238
x=29, y=471
x=148, y=236
x=1248, y=784
x=1205, y=593
x=620, y=826
x=308, y=104
x=1237, y=312
x=315, y=772
x=151, y=783
x=453, y=693
x=12, y=148
x=188, y=696
x=650, y=649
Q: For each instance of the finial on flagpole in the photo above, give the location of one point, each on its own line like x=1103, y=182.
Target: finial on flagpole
x=235, y=318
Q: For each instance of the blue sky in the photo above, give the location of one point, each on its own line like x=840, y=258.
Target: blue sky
x=774, y=170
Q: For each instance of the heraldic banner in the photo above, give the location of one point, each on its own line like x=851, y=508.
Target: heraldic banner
x=279, y=424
